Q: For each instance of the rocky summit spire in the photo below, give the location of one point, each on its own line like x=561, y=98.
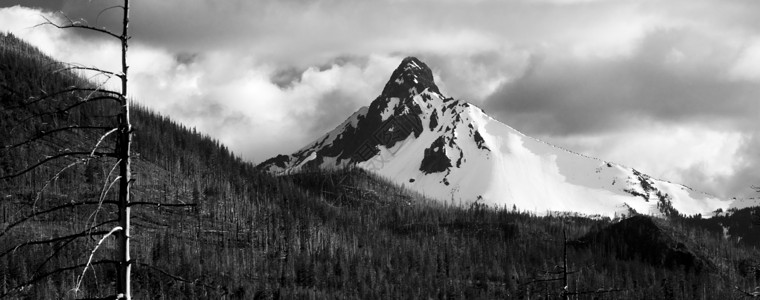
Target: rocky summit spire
x=410, y=78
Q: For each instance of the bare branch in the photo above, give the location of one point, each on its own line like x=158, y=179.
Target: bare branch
x=83, y=68
x=86, y=232
x=54, y=157
x=60, y=247
x=599, y=291
x=53, y=240
x=104, y=191
x=82, y=102
x=68, y=90
x=45, y=133
x=54, y=178
x=100, y=87
x=92, y=154
x=106, y=9
x=64, y=206
x=158, y=204
x=92, y=254
x=74, y=24
x=56, y=271
x=94, y=148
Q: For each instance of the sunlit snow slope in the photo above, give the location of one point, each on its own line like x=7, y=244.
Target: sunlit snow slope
x=452, y=151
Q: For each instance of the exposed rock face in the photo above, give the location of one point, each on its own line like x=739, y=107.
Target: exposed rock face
x=435, y=159
x=410, y=78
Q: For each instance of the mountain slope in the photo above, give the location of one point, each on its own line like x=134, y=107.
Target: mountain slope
x=344, y=234
x=451, y=150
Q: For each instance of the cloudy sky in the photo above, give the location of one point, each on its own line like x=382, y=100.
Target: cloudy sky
x=671, y=88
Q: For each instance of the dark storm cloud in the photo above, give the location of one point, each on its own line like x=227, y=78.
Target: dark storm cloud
x=674, y=76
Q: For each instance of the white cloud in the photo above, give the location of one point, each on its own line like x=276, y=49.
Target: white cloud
x=225, y=93
x=252, y=115
x=21, y=21
x=697, y=156
x=747, y=66
x=267, y=77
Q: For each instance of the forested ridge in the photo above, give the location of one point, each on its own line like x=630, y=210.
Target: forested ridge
x=340, y=234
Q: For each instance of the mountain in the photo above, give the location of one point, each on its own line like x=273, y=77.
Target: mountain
x=452, y=151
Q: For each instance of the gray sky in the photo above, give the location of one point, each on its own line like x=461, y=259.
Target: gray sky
x=671, y=88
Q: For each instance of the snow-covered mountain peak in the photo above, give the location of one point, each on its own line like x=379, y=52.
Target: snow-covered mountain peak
x=411, y=77
x=451, y=150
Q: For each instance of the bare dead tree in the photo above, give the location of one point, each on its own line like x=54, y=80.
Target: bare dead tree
x=120, y=226
x=123, y=148
x=122, y=154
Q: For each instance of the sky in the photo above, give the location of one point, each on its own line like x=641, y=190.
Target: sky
x=669, y=87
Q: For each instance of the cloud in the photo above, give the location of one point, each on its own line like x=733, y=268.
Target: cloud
x=675, y=76
x=223, y=93
x=747, y=66
x=253, y=115
x=604, y=77
x=747, y=176
x=710, y=161
x=307, y=32
x=674, y=108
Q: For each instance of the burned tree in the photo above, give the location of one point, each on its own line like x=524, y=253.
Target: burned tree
x=62, y=122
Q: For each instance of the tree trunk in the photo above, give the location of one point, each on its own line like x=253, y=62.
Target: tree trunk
x=124, y=152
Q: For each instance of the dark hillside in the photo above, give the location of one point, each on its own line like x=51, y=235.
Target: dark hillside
x=342, y=234
x=641, y=237
x=742, y=226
